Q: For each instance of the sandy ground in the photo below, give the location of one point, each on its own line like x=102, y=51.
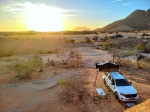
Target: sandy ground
x=43, y=95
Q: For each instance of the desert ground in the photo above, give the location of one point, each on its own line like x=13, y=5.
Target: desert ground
x=43, y=93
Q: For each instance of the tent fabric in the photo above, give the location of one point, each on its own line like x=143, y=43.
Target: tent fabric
x=107, y=66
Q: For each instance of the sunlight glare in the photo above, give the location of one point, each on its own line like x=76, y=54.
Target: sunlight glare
x=43, y=18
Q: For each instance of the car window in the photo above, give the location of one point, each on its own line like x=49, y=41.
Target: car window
x=122, y=82
x=113, y=82
x=106, y=73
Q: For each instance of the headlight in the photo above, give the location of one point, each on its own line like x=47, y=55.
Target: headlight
x=122, y=94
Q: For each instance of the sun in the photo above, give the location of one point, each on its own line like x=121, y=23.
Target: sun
x=43, y=18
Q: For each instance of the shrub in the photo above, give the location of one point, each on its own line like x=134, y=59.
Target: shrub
x=88, y=40
x=108, y=45
x=95, y=38
x=147, y=48
x=70, y=58
x=74, y=87
x=139, y=47
x=25, y=69
x=48, y=51
x=119, y=35
x=105, y=39
x=72, y=41
x=132, y=37
x=6, y=53
x=144, y=34
x=121, y=56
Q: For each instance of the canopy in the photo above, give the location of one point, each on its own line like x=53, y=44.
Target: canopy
x=107, y=66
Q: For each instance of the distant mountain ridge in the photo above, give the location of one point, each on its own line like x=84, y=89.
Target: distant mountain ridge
x=137, y=20
x=79, y=28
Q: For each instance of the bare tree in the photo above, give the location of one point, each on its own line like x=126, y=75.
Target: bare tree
x=64, y=55
x=70, y=57
x=50, y=62
x=120, y=56
x=75, y=59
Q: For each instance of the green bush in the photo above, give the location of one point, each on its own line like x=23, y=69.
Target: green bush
x=70, y=41
x=108, y=45
x=6, y=53
x=24, y=69
x=48, y=51
x=139, y=47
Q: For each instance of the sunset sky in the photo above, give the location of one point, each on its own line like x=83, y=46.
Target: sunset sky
x=59, y=15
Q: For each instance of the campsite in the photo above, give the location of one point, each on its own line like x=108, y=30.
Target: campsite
x=43, y=91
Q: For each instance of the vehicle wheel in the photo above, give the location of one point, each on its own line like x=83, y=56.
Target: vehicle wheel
x=117, y=97
x=104, y=81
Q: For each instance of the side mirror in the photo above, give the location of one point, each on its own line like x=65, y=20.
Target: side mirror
x=113, y=83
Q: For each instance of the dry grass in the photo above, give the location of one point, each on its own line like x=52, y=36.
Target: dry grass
x=51, y=74
x=17, y=46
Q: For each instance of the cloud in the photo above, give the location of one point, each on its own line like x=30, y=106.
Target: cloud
x=19, y=9
x=125, y=4
x=116, y=0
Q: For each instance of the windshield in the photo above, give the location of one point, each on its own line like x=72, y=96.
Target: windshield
x=122, y=82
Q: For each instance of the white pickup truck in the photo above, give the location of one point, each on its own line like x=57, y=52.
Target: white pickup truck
x=122, y=88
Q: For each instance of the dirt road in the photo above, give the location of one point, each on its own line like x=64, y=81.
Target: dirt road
x=20, y=97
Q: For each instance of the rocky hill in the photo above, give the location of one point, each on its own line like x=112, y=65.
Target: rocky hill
x=137, y=20
x=81, y=29
x=143, y=107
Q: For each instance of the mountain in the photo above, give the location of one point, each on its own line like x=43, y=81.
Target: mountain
x=81, y=29
x=137, y=20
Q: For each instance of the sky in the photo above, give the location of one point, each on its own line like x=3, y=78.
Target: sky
x=60, y=15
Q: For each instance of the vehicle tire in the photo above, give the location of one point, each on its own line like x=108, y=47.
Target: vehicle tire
x=104, y=81
x=117, y=97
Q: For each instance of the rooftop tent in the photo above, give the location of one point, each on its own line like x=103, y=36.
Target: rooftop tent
x=107, y=66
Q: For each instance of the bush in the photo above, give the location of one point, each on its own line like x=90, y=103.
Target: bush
x=108, y=45
x=144, y=34
x=147, y=48
x=88, y=40
x=121, y=56
x=95, y=38
x=74, y=87
x=70, y=41
x=132, y=37
x=139, y=47
x=6, y=53
x=105, y=39
x=25, y=69
x=119, y=35
x=70, y=58
x=48, y=51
